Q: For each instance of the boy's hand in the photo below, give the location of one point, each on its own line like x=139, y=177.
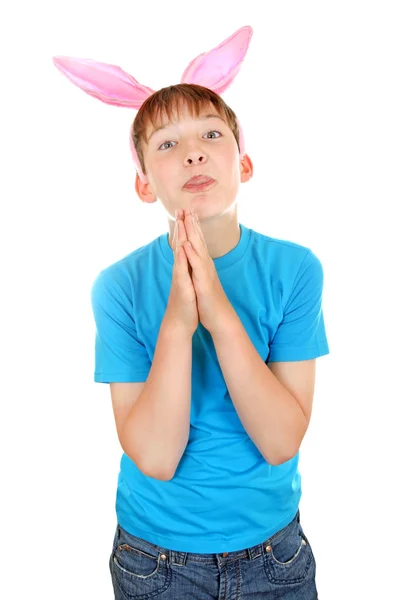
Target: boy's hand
x=212, y=303
x=181, y=312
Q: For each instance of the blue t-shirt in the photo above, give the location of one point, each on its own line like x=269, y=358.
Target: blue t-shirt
x=224, y=496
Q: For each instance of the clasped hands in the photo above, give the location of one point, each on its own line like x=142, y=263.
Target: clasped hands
x=212, y=303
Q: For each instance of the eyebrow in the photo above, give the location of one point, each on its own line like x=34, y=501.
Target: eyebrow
x=209, y=116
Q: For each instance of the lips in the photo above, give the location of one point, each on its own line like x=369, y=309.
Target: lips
x=198, y=181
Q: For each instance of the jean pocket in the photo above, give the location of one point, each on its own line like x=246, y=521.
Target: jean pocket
x=138, y=567
x=288, y=556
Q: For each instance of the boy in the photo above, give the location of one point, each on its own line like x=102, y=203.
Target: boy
x=210, y=356
x=208, y=337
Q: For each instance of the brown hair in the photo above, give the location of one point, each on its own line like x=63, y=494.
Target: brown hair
x=169, y=100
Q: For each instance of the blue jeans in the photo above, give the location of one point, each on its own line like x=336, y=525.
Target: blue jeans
x=283, y=567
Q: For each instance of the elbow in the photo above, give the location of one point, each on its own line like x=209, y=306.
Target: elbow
x=276, y=461
x=161, y=475
x=158, y=475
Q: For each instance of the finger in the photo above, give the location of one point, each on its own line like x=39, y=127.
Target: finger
x=182, y=237
x=181, y=256
x=192, y=233
x=174, y=237
x=177, y=219
x=183, y=261
x=175, y=243
x=196, y=226
x=198, y=236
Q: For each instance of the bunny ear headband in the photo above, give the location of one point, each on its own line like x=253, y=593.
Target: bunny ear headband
x=215, y=70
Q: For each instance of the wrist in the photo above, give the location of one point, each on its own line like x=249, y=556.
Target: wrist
x=173, y=329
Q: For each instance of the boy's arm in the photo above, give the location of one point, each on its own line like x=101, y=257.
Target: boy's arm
x=156, y=430
x=274, y=414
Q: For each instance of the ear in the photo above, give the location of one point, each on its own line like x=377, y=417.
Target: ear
x=246, y=168
x=144, y=190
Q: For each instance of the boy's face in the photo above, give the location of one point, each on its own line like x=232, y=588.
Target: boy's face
x=187, y=147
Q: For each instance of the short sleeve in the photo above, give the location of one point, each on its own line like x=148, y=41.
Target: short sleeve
x=301, y=334
x=119, y=354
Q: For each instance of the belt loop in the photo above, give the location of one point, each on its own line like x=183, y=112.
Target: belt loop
x=177, y=558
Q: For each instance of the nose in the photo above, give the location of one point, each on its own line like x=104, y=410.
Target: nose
x=195, y=157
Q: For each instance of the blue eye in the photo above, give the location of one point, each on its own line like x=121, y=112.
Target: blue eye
x=168, y=142
x=213, y=132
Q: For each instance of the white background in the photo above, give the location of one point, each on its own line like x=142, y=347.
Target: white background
x=318, y=99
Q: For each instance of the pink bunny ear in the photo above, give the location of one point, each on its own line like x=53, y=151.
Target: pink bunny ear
x=107, y=83
x=217, y=68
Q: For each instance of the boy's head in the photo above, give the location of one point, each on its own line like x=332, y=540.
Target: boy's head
x=182, y=131
x=165, y=104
